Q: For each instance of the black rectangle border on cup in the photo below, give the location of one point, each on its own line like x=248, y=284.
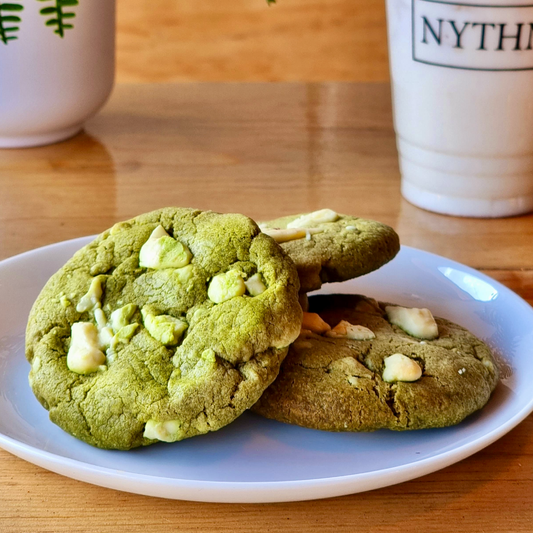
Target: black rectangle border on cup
x=455, y=66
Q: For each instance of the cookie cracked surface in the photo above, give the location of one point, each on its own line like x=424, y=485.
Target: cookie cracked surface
x=329, y=247
x=176, y=364
x=335, y=383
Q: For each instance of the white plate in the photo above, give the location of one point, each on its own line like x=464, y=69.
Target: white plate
x=257, y=460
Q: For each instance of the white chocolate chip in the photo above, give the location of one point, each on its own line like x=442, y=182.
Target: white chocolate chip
x=254, y=285
x=105, y=337
x=314, y=218
x=99, y=316
x=290, y=234
x=164, y=431
x=417, y=322
x=121, y=317
x=226, y=286
x=284, y=235
x=350, y=331
x=84, y=355
x=399, y=367
x=159, y=232
x=313, y=322
x=163, y=251
x=105, y=333
x=91, y=300
x=125, y=334
x=164, y=328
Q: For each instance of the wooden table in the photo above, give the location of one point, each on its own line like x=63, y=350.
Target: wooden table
x=263, y=150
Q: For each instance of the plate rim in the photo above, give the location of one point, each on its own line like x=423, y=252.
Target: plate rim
x=260, y=491
x=257, y=491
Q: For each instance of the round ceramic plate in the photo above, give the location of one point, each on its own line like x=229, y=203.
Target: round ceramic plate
x=258, y=460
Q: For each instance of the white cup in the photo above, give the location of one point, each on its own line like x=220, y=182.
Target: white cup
x=462, y=84
x=56, y=68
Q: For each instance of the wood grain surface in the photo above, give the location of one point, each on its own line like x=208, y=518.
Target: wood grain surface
x=246, y=40
x=264, y=150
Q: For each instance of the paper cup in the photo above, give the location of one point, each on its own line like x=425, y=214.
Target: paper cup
x=462, y=84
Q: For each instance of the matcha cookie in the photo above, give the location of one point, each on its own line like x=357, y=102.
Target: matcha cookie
x=166, y=326
x=360, y=365
x=326, y=246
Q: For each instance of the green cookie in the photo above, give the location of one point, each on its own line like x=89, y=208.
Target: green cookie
x=327, y=247
x=166, y=326
x=382, y=377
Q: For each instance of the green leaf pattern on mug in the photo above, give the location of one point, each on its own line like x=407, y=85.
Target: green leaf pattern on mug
x=7, y=19
x=59, y=15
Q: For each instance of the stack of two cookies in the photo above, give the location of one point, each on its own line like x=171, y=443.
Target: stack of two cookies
x=363, y=365
x=174, y=323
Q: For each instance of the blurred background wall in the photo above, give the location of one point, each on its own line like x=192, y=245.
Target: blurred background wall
x=246, y=40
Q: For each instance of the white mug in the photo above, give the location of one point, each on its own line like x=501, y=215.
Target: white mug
x=57, y=62
x=462, y=83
